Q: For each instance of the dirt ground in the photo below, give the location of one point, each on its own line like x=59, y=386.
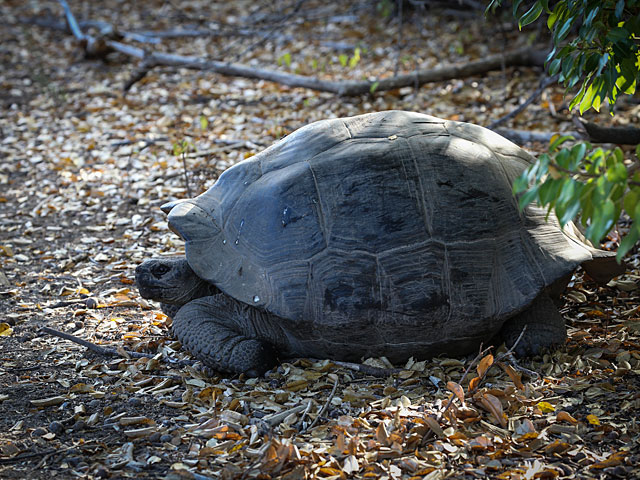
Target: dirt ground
x=84, y=170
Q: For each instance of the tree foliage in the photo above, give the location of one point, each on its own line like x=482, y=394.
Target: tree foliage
x=596, y=52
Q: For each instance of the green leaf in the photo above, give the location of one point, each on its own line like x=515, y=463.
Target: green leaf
x=531, y=15
x=592, y=14
x=562, y=32
x=568, y=203
x=285, y=60
x=343, y=58
x=374, y=86
x=521, y=183
x=631, y=201
x=528, y=197
x=601, y=221
x=577, y=155
x=587, y=99
x=203, y=122
x=516, y=4
x=628, y=241
x=549, y=190
x=617, y=34
x=353, y=61
x=554, y=66
x=558, y=140
x=617, y=173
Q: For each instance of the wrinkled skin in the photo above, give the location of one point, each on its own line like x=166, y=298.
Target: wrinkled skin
x=222, y=332
x=170, y=281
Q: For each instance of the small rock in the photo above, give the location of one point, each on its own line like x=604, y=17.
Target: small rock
x=73, y=461
x=91, y=303
x=134, y=402
x=155, y=437
x=95, y=403
x=166, y=438
x=56, y=427
x=79, y=425
x=38, y=432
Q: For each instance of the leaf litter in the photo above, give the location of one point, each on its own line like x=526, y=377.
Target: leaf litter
x=87, y=170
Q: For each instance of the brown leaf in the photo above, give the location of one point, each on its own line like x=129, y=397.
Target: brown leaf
x=434, y=426
x=473, y=384
x=456, y=388
x=494, y=405
x=382, y=435
x=515, y=377
x=563, y=416
x=484, y=365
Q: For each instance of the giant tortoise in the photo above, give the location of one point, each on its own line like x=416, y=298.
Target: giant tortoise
x=390, y=233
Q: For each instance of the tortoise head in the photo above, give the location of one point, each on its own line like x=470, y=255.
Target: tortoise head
x=170, y=280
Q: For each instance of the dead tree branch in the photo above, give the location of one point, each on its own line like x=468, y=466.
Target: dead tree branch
x=522, y=57
x=627, y=135
x=150, y=59
x=520, y=108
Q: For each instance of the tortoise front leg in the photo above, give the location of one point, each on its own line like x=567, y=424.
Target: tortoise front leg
x=218, y=331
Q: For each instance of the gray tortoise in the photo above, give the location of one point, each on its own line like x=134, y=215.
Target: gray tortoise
x=390, y=233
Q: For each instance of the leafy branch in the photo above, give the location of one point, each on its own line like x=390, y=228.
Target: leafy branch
x=598, y=182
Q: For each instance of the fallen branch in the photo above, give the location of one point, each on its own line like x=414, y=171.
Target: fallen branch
x=522, y=57
x=106, y=351
x=621, y=135
x=520, y=108
x=524, y=136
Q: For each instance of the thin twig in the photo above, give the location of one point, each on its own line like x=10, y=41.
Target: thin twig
x=513, y=347
x=325, y=406
x=186, y=176
x=543, y=85
x=368, y=369
x=305, y=413
x=106, y=351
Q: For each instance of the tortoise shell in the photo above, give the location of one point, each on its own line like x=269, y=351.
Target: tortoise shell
x=352, y=228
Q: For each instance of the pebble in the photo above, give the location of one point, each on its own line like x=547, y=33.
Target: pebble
x=134, y=402
x=95, y=403
x=79, y=425
x=166, y=438
x=91, y=303
x=56, y=427
x=38, y=432
x=155, y=437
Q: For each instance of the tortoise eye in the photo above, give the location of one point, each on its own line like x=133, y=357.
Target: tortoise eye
x=159, y=270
